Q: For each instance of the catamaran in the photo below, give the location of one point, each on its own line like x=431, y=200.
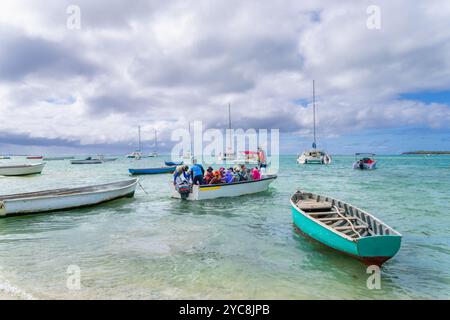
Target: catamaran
x=314, y=155
x=138, y=153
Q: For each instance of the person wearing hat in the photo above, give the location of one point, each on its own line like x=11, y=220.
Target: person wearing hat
x=209, y=175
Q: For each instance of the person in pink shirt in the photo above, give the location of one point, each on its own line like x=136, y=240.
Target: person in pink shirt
x=256, y=174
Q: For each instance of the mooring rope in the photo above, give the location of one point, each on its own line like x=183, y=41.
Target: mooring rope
x=140, y=185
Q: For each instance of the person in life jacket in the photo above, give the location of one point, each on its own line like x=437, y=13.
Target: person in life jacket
x=209, y=175
x=197, y=173
x=217, y=179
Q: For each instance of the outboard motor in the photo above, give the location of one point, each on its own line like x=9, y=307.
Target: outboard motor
x=361, y=164
x=184, y=189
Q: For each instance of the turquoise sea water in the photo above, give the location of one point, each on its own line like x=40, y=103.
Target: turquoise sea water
x=155, y=247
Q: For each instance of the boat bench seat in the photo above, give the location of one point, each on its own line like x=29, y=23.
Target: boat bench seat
x=337, y=219
x=350, y=228
x=313, y=205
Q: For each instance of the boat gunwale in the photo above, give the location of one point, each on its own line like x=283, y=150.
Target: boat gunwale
x=131, y=183
x=341, y=234
x=19, y=166
x=267, y=177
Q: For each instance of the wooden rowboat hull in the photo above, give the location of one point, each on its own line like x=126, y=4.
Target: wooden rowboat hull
x=21, y=170
x=206, y=192
x=152, y=170
x=372, y=250
x=64, y=199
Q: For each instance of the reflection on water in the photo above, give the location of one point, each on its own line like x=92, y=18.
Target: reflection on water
x=155, y=247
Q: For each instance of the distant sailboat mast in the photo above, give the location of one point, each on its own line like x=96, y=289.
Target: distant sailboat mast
x=229, y=127
x=139, y=137
x=156, y=142
x=314, y=115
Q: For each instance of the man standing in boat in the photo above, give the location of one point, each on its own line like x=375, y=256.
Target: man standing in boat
x=197, y=172
x=261, y=159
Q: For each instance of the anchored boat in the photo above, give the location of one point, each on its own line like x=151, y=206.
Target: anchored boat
x=86, y=161
x=173, y=163
x=63, y=199
x=235, y=189
x=344, y=227
x=365, y=161
x=161, y=170
x=21, y=169
x=314, y=156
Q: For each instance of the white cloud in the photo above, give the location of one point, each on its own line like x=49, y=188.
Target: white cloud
x=162, y=64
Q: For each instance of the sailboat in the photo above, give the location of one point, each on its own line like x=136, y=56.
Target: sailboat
x=229, y=155
x=314, y=155
x=138, y=153
x=154, y=154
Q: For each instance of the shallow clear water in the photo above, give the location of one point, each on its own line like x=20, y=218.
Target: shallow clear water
x=156, y=247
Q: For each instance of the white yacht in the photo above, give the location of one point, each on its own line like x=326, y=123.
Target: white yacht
x=314, y=155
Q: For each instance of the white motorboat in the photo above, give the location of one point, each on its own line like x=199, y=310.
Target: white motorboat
x=86, y=161
x=21, y=169
x=235, y=189
x=365, y=161
x=63, y=199
x=314, y=155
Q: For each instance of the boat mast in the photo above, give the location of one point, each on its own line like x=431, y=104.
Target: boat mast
x=229, y=125
x=156, y=142
x=139, y=139
x=314, y=115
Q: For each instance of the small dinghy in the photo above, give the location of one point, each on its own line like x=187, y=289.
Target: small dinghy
x=173, y=164
x=58, y=158
x=344, y=227
x=21, y=169
x=152, y=170
x=86, y=161
x=365, y=161
x=63, y=199
x=235, y=189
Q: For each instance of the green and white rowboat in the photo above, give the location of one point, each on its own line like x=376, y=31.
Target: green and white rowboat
x=344, y=227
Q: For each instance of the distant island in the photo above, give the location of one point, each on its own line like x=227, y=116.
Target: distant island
x=427, y=152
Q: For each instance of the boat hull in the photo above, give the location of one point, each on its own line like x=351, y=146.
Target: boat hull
x=64, y=201
x=371, y=250
x=206, y=192
x=366, y=166
x=152, y=170
x=172, y=163
x=21, y=170
x=86, y=161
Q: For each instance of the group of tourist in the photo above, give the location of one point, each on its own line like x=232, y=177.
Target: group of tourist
x=196, y=174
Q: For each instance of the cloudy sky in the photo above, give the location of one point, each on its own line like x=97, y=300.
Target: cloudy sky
x=161, y=64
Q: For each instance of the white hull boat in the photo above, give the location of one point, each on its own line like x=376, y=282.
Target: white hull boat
x=236, y=189
x=63, y=199
x=21, y=170
x=92, y=161
x=314, y=157
x=366, y=161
